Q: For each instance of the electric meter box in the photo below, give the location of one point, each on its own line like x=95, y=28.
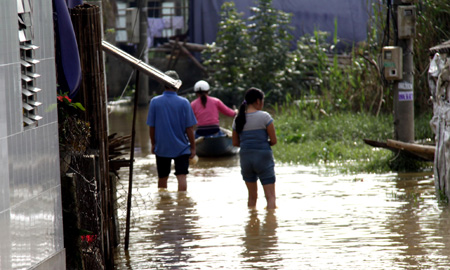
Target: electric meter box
x=406, y=21
x=392, y=62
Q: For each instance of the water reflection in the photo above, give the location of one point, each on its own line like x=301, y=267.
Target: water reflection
x=323, y=221
x=412, y=226
x=404, y=224
x=121, y=120
x=165, y=234
x=444, y=240
x=172, y=228
x=260, y=241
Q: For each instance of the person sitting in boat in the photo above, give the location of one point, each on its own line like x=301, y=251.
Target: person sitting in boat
x=206, y=110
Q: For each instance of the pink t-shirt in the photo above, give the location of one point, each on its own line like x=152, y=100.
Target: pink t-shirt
x=210, y=115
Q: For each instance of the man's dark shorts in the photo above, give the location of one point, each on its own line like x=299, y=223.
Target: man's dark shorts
x=163, y=165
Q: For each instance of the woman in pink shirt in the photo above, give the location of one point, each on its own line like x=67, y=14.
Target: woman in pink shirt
x=206, y=110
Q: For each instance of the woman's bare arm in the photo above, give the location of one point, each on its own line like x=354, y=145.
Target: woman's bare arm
x=272, y=134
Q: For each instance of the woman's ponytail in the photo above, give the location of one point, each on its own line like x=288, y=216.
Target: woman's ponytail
x=203, y=98
x=251, y=96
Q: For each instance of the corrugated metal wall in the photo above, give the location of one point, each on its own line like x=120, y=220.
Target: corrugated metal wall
x=31, y=229
x=307, y=15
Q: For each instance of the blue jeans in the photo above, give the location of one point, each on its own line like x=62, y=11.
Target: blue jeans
x=257, y=164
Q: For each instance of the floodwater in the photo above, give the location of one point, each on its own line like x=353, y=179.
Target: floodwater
x=324, y=220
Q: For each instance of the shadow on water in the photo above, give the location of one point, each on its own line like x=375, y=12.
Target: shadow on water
x=323, y=220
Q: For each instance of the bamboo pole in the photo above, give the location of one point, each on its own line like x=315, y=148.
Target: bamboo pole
x=194, y=60
x=87, y=26
x=424, y=151
x=171, y=56
x=139, y=65
x=192, y=46
x=177, y=57
x=130, y=179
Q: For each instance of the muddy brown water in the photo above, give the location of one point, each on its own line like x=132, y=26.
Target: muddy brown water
x=324, y=220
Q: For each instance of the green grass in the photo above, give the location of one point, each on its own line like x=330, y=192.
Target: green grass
x=336, y=141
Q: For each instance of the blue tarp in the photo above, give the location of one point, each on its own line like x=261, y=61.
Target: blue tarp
x=73, y=3
x=67, y=56
x=352, y=17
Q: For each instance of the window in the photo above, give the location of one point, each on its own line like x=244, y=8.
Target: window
x=121, y=20
x=30, y=103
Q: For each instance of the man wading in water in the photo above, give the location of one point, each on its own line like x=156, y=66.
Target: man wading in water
x=171, y=121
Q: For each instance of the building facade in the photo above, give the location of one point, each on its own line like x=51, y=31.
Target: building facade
x=31, y=226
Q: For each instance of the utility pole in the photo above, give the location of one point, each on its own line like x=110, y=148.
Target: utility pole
x=142, y=52
x=404, y=87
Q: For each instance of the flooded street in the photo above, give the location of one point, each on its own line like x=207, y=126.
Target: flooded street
x=323, y=221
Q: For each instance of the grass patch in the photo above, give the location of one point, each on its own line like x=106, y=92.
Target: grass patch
x=336, y=141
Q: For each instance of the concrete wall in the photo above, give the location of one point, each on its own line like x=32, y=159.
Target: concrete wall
x=31, y=229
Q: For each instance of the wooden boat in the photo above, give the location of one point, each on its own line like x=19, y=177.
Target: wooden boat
x=214, y=146
x=419, y=151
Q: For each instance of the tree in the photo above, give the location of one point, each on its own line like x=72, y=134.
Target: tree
x=254, y=55
x=269, y=32
x=227, y=58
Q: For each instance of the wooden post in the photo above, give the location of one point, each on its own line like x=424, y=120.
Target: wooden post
x=142, y=51
x=87, y=25
x=404, y=89
x=195, y=61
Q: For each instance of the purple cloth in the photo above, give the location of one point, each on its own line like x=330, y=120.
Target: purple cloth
x=66, y=54
x=73, y=3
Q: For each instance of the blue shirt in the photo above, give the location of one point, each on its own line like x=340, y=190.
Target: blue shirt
x=170, y=115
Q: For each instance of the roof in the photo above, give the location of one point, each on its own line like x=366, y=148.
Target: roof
x=441, y=48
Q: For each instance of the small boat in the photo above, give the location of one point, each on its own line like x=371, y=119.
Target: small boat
x=214, y=146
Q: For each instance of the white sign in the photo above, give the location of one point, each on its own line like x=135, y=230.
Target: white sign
x=405, y=86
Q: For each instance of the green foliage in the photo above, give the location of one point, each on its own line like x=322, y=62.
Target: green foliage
x=259, y=53
x=65, y=101
x=442, y=197
x=432, y=29
x=334, y=140
x=255, y=52
x=227, y=57
x=73, y=132
x=422, y=128
x=269, y=33
x=308, y=136
x=308, y=65
x=254, y=55
x=329, y=102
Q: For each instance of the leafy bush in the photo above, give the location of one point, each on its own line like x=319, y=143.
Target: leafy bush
x=249, y=55
x=432, y=29
x=227, y=58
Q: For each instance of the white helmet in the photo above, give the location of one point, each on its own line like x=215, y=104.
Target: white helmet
x=201, y=86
